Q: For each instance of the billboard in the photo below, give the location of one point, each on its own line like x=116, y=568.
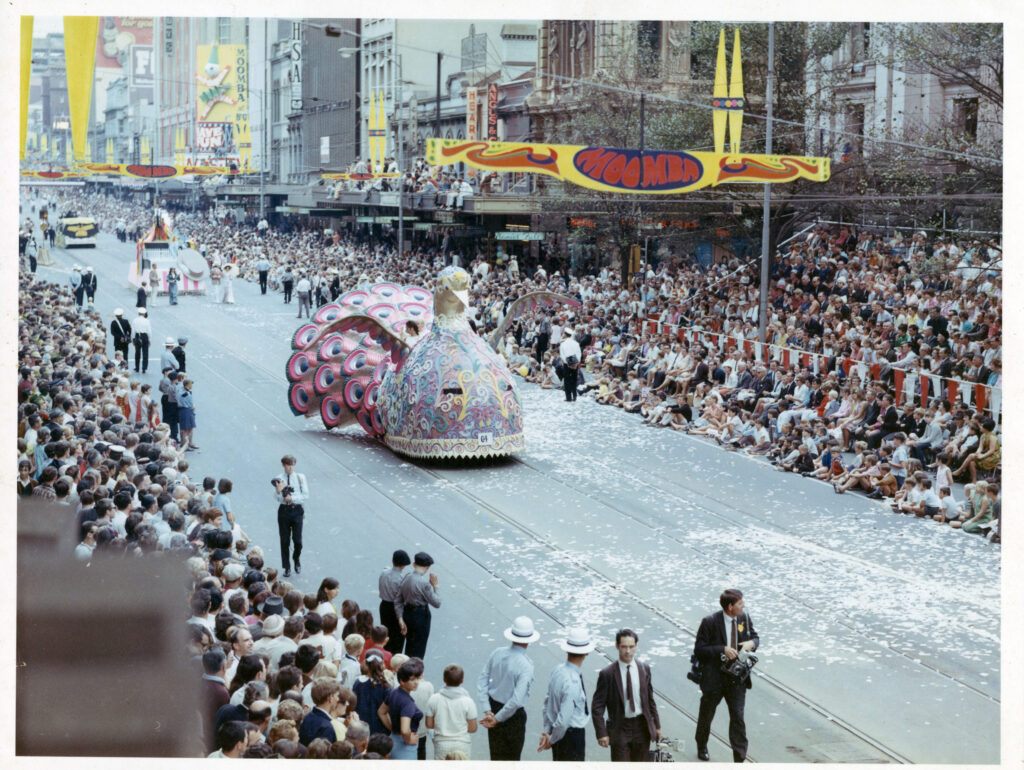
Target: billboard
x=222, y=103
x=117, y=35
x=141, y=77
x=471, y=114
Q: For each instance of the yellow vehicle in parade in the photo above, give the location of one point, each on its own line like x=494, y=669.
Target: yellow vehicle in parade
x=73, y=232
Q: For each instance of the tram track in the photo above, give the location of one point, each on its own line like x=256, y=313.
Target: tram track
x=540, y=539
x=817, y=708
x=837, y=620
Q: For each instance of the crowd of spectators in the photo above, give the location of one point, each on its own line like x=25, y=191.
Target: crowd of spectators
x=283, y=673
x=858, y=323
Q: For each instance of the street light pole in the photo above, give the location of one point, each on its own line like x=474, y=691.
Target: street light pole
x=397, y=69
x=762, y=311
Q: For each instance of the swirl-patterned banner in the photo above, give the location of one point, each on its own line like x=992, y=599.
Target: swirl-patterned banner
x=611, y=169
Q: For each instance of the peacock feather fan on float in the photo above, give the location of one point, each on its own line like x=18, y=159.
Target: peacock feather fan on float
x=411, y=372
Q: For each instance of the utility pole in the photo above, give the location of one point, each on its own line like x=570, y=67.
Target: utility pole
x=437, y=106
x=397, y=69
x=762, y=314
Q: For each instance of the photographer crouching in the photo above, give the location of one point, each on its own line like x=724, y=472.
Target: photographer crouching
x=723, y=650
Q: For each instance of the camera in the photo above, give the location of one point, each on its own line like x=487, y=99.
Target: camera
x=739, y=667
x=285, y=491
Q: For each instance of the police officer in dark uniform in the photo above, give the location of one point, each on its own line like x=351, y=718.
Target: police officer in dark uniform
x=416, y=594
x=179, y=353
x=388, y=586
x=121, y=331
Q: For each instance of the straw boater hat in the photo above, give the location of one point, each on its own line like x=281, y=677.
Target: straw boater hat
x=577, y=642
x=522, y=631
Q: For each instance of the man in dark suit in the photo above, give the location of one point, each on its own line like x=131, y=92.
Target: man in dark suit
x=723, y=634
x=215, y=692
x=624, y=688
x=317, y=723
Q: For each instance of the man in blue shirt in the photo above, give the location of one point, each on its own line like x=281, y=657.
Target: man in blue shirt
x=566, y=711
x=503, y=689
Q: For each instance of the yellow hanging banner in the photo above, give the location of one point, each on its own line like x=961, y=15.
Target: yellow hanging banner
x=664, y=172
x=80, y=36
x=26, y=81
x=612, y=169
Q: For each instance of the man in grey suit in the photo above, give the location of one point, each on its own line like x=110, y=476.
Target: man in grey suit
x=624, y=689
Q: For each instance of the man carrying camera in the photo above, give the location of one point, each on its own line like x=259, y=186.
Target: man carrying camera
x=724, y=641
x=291, y=492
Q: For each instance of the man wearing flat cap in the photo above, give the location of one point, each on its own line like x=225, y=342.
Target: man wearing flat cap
x=387, y=585
x=416, y=594
x=503, y=689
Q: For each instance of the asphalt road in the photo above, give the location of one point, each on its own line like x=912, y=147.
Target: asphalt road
x=880, y=636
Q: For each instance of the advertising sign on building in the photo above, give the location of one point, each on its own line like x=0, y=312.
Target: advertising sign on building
x=295, y=67
x=325, y=149
x=222, y=101
x=492, y=112
x=117, y=35
x=471, y=114
x=141, y=77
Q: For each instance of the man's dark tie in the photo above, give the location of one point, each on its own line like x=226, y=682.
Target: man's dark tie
x=586, y=706
x=733, y=642
x=629, y=688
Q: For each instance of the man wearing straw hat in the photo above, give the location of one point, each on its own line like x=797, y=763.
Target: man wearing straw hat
x=503, y=689
x=566, y=711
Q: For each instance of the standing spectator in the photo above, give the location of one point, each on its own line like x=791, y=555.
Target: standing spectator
x=121, y=331
x=317, y=723
x=263, y=267
x=169, y=399
x=172, y=284
x=388, y=586
x=566, y=711
x=370, y=691
x=416, y=595
x=141, y=294
x=215, y=690
x=400, y=714
x=292, y=492
x=624, y=687
x=186, y=415
x=503, y=689
x=303, y=288
x=451, y=714
x=348, y=667
x=141, y=330
x=287, y=282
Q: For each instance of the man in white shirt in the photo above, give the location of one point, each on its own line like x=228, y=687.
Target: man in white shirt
x=570, y=352
x=141, y=331
x=303, y=288
x=291, y=491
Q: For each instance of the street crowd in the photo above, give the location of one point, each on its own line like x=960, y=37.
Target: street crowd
x=860, y=323
x=293, y=674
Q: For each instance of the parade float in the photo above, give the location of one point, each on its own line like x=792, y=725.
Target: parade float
x=158, y=250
